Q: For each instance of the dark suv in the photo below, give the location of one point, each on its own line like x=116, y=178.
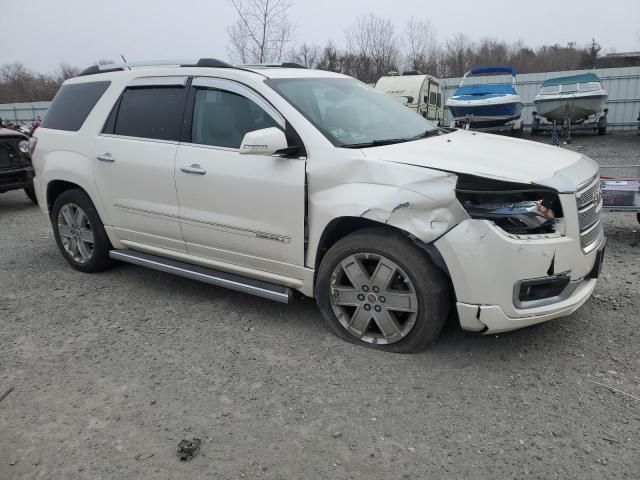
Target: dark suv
x=16, y=171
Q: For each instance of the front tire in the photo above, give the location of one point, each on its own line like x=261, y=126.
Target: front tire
x=79, y=232
x=377, y=289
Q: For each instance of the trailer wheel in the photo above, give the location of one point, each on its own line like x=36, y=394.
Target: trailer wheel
x=602, y=130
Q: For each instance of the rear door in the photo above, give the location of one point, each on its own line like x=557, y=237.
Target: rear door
x=246, y=210
x=434, y=89
x=134, y=162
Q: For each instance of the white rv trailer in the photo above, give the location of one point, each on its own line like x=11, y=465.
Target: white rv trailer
x=416, y=91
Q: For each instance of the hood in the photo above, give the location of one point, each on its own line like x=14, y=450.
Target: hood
x=493, y=156
x=7, y=132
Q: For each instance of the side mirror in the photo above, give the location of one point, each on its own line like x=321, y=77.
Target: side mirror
x=263, y=142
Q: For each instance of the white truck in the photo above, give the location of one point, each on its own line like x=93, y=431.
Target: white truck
x=270, y=180
x=417, y=91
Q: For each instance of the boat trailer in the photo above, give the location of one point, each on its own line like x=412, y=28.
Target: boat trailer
x=598, y=124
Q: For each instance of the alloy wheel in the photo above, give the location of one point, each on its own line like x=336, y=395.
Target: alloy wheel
x=76, y=233
x=373, y=298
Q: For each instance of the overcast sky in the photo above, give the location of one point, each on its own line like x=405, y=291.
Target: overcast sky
x=43, y=33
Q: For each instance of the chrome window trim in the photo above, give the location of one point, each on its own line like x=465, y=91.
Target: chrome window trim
x=144, y=139
x=209, y=147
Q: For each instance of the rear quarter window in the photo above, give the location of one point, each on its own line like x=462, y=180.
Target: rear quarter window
x=72, y=105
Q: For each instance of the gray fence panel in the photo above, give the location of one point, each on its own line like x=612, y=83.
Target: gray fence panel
x=23, y=112
x=622, y=85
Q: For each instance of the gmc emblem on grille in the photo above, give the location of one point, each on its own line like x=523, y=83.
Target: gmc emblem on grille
x=597, y=195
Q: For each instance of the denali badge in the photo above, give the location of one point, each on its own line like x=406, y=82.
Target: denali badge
x=271, y=236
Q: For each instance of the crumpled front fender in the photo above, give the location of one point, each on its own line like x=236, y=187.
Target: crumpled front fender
x=419, y=201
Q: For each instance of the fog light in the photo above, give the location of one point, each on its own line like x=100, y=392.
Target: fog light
x=542, y=288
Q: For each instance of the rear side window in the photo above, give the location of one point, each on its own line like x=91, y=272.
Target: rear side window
x=72, y=104
x=150, y=113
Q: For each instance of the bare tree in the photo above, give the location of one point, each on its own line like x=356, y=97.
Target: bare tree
x=261, y=32
x=457, y=56
x=307, y=55
x=67, y=71
x=330, y=58
x=420, y=46
x=19, y=84
x=372, y=40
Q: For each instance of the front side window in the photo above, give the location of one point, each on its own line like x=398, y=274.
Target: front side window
x=351, y=114
x=154, y=113
x=222, y=118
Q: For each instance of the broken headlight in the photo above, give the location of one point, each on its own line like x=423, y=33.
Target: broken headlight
x=516, y=208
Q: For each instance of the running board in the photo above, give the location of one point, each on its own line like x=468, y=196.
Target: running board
x=213, y=277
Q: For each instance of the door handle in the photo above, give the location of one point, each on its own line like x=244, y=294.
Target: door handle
x=106, y=158
x=194, y=169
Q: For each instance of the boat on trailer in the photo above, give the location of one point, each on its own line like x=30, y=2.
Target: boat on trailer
x=574, y=98
x=487, y=106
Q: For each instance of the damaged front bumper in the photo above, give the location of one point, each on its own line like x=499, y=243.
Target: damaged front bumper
x=488, y=267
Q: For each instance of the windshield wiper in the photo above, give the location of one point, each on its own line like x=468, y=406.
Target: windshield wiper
x=429, y=133
x=390, y=141
x=376, y=143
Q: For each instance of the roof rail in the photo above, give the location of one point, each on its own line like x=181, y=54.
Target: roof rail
x=114, y=67
x=273, y=65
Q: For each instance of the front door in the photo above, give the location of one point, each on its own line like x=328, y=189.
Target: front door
x=134, y=164
x=245, y=210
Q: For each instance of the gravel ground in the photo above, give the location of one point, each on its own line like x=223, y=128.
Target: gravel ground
x=110, y=371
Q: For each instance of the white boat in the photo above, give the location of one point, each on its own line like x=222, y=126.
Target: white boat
x=573, y=98
x=486, y=105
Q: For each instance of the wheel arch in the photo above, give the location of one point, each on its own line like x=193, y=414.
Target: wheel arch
x=340, y=227
x=55, y=188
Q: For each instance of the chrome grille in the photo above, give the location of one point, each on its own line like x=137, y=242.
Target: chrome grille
x=587, y=194
x=590, y=236
x=589, y=202
x=589, y=216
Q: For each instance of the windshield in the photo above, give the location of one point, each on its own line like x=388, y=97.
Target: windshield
x=350, y=113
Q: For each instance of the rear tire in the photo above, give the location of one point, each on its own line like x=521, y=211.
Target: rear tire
x=602, y=131
x=31, y=193
x=377, y=289
x=79, y=232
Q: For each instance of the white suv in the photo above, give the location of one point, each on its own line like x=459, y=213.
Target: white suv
x=272, y=179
